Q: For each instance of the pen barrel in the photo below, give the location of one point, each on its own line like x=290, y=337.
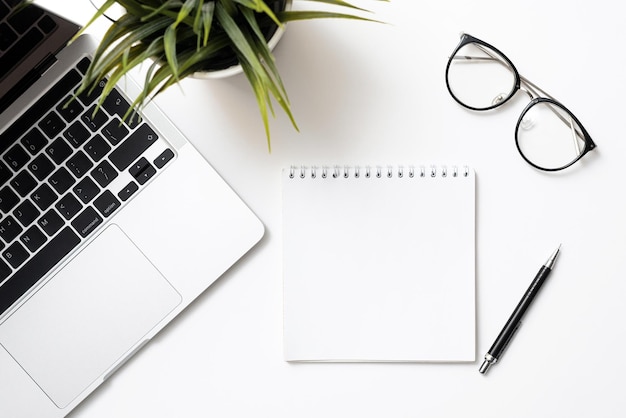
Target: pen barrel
x=514, y=321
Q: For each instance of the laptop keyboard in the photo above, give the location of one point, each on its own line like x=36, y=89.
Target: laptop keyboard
x=63, y=172
x=20, y=32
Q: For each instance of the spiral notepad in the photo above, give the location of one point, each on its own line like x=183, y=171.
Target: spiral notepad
x=379, y=263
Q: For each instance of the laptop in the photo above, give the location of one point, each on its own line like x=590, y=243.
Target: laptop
x=108, y=228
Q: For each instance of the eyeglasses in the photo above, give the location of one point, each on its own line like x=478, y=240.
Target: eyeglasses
x=548, y=136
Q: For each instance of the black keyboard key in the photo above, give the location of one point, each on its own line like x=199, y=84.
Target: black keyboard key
x=87, y=221
x=115, y=131
x=44, y=197
x=94, y=121
x=88, y=96
x=16, y=157
x=104, y=173
x=51, y=222
x=33, y=238
x=97, y=148
x=25, y=18
x=139, y=165
x=34, y=141
x=61, y=180
x=146, y=174
x=5, y=173
x=47, y=24
x=58, y=150
x=19, y=51
x=23, y=183
x=8, y=199
x=133, y=120
x=116, y=104
x=106, y=203
x=26, y=213
x=70, y=108
x=164, y=158
x=128, y=191
x=4, y=11
x=131, y=149
x=37, y=267
x=41, y=167
x=9, y=229
x=52, y=125
x=15, y=254
x=7, y=36
x=79, y=164
x=76, y=134
x=83, y=65
x=68, y=206
x=86, y=190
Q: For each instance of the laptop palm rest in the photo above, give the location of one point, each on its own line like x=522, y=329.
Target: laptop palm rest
x=66, y=343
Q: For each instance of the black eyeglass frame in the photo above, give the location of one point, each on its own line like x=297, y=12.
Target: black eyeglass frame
x=531, y=89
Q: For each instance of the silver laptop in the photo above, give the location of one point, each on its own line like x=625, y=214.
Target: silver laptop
x=108, y=229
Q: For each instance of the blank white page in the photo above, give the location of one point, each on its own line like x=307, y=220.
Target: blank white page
x=379, y=268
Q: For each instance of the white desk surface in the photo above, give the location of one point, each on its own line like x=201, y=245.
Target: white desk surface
x=370, y=93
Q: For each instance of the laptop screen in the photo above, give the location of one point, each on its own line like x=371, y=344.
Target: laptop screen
x=30, y=36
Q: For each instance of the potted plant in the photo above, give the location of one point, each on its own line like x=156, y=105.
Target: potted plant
x=184, y=37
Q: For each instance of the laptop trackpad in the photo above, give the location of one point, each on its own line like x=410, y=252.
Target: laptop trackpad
x=88, y=316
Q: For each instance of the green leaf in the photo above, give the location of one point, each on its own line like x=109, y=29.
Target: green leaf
x=101, y=10
x=187, y=8
x=169, y=44
x=197, y=21
x=259, y=6
x=133, y=7
x=339, y=3
x=167, y=4
x=116, y=31
x=207, y=20
x=261, y=97
x=260, y=45
x=239, y=41
x=135, y=35
x=137, y=54
x=293, y=15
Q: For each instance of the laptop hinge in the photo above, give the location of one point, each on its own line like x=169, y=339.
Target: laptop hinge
x=44, y=65
x=27, y=81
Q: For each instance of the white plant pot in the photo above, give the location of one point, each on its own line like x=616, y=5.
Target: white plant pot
x=236, y=69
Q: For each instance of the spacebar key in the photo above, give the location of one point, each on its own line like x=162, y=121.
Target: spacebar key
x=127, y=152
x=37, y=267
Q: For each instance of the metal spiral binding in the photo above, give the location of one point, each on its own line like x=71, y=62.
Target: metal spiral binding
x=378, y=172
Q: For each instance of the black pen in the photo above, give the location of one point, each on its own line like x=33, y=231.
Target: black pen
x=515, y=320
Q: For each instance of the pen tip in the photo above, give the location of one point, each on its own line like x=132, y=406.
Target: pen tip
x=550, y=263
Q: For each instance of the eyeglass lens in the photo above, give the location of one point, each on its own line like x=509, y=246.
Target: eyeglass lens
x=479, y=77
x=548, y=136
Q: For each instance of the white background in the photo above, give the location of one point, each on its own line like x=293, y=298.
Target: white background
x=364, y=92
